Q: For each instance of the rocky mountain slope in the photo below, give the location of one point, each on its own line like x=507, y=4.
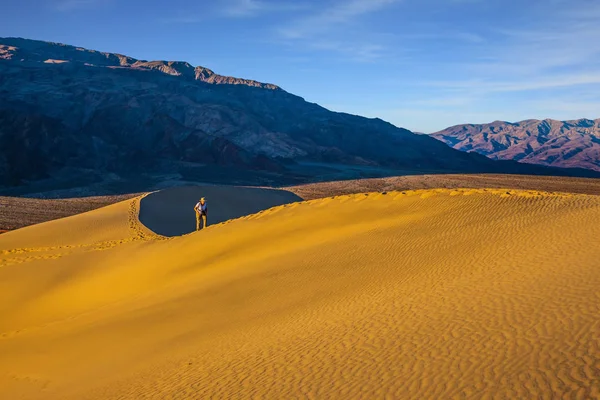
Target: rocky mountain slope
x=75, y=116
x=567, y=144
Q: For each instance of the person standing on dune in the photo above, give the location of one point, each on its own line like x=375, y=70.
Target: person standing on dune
x=201, y=209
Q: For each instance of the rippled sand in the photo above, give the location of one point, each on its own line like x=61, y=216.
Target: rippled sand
x=449, y=293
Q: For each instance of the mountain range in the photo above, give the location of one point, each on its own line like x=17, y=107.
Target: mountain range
x=71, y=116
x=565, y=144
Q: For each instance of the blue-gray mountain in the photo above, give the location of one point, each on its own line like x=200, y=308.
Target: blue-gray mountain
x=82, y=115
x=566, y=144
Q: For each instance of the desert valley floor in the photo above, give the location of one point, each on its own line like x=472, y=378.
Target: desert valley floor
x=429, y=293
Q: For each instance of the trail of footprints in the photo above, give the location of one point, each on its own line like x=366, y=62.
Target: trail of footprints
x=137, y=233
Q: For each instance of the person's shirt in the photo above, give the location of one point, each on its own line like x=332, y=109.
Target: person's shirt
x=203, y=208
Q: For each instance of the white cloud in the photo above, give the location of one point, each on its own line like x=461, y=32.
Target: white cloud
x=327, y=30
x=243, y=8
x=329, y=18
x=561, y=43
x=548, y=67
x=360, y=52
x=553, y=82
x=557, y=54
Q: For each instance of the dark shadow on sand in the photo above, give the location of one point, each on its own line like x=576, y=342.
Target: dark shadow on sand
x=170, y=212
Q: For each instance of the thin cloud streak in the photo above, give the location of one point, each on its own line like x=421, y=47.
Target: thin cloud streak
x=341, y=12
x=518, y=86
x=235, y=9
x=322, y=31
x=570, y=42
x=243, y=8
x=361, y=52
x=253, y=8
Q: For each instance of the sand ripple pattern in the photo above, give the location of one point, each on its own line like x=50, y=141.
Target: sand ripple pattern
x=426, y=294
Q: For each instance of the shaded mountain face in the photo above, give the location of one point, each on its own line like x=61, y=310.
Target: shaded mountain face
x=566, y=144
x=64, y=108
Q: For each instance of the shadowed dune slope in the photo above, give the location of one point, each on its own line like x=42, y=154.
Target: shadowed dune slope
x=170, y=212
x=421, y=294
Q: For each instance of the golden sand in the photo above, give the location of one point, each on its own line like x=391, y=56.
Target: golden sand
x=435, y=294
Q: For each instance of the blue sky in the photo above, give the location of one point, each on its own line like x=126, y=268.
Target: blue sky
x=420, y=64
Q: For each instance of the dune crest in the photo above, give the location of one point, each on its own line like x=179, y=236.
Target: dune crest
x=461, y=293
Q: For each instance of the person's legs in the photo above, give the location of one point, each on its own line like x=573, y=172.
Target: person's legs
x=197, y=221
x=205, y=224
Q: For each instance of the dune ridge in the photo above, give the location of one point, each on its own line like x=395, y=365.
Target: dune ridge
x=19, y=212
x=447, y=293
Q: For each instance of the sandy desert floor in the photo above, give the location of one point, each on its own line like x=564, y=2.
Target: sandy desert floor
x=17, y=212
x=449, y=181
x=436, y=294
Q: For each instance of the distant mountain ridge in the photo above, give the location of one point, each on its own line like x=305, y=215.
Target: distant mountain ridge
x=33, y=51
x=565, y=144
x=71, y=116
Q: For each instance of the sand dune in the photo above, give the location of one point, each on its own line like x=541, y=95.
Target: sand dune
x=19, y=212
x=115, y=222
x=170, y=212
x=418, y=294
